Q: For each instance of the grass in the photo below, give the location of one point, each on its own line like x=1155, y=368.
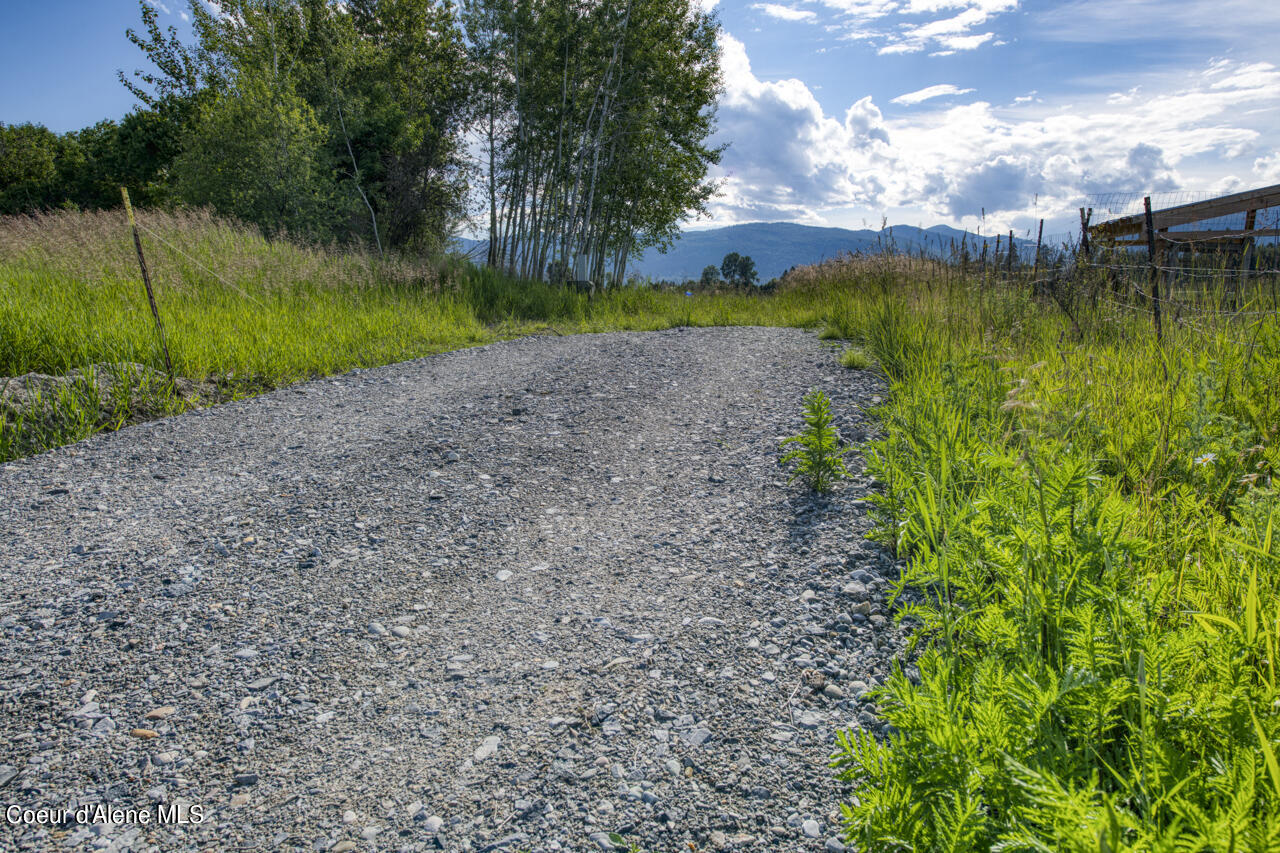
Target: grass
x=94, y=399
x=248, y=314
x=1090, y=517
x=855, y=358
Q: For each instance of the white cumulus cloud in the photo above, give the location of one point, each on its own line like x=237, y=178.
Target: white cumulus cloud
x=1268, y=168
x=943, y=27
x=789, y=159
x=921, y=95
x=785, y=13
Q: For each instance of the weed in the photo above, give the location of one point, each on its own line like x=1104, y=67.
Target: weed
x=818, y=450
x=1090, y=526
x=855, y=358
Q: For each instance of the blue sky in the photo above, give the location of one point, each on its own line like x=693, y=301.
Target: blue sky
x=58, y=60
x=844, y=112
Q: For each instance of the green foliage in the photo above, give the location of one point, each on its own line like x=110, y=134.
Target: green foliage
x=346, y=122
x=710, y=275
x=855, y=358
x=818, y=450
x=335, y=120
x=181, y=71
x=41, y=170
x=739, y=270
x=1091, y=525
x=729, y=265
x=28, y=170
x=258, y=153
x=392, y=77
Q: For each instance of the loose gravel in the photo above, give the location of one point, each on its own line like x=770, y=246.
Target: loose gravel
x=520, y=597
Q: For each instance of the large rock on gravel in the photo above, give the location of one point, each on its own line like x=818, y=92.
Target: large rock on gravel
x=116, y=388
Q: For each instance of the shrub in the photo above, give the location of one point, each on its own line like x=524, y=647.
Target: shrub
x=818, y=451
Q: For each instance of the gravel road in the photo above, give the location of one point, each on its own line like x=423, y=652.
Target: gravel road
x=514, y=597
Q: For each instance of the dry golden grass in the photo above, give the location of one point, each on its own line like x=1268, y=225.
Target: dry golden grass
x=847, y=266
x=189, y=248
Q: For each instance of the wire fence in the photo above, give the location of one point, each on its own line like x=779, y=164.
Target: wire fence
x=1249, y=237
x=1224, y=292
x=1206, y=233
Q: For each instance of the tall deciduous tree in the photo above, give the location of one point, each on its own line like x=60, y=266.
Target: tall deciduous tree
x=40, y=170
x=364, y=103
x=28, y=167
x=739, y=269
x=594, y=117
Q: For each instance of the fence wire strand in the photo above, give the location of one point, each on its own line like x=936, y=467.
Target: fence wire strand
x=174, y=248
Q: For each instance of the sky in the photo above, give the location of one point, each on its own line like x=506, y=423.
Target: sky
x=981, y=114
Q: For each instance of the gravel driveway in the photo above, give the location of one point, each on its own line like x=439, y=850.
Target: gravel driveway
x=511, y=597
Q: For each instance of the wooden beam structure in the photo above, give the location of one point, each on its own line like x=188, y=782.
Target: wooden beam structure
x=1249, y=203
x=1140, y=239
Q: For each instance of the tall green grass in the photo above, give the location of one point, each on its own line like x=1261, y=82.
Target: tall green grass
x=1090, y=519
x=249, y=313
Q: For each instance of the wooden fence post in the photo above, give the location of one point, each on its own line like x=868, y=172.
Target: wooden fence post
x=1155, y=266
x=1035, y=267
x=146, y=280
x=1247, y=254
x=1083, y=259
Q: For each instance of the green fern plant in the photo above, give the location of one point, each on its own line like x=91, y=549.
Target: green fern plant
x=818, y=450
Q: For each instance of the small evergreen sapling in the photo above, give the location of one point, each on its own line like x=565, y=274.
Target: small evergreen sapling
x=818, y=449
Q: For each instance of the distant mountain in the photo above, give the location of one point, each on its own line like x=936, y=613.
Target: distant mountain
x=778, y=246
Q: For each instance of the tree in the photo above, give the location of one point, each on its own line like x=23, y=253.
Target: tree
x=40, y=170
x=558, y=271
x=28, y=167
x=739, y=270
x=487, y=51
x=259, y=154
x=729, y=266
x=594, y=118
x=147, y=143
x=180, y=71
x=363, y=104
x=710, y=275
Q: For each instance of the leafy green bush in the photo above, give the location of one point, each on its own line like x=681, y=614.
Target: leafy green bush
x=818, y=450
x=1092, y=528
